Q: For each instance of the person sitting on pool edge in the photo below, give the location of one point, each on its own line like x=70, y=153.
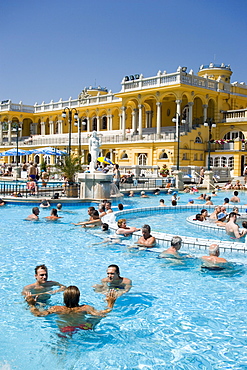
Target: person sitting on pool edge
x=172, y=251
x=146, y=240
x=123, y=229
x=71, y=300
x=113, y=281
x=44, y=204
x=213, y=260
x=42, y=288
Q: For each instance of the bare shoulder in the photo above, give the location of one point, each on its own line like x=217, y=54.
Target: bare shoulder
x=127, y=281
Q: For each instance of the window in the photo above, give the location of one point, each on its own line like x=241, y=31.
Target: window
x=198, y=140
x=231, y=162
x=163, y=155
x=216, y=162
x=94, y=126
x=232, y=135
x=185, y=157
x=195, y=157
x=104, y=123
x=142, y=159
x=124, y=156
x=223, y=161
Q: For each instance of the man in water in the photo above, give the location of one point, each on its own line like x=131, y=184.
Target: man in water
x=34, y=215
x=75, y=313
x=232, y=227
x=42, y=288
x=235, y=198
x=114, y=281
x=123, y=229
x=213, y=260
x=172, y=251
x=146, y=240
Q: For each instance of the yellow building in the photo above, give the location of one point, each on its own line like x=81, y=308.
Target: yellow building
x=137, y=124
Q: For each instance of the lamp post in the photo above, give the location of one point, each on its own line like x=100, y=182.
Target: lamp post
x=178, y=120
x=70, y=110
x=79, y=123
x=17, y=128
x=209, y=123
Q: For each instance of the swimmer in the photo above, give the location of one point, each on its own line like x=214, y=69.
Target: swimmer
x=204, y=214
x=113, y=281
x=213, y=261
x=75, y=313
x=131, y=194
x=59, y=207
x=120, y=207
x=44, y=204
x=101, y=209
x=41, y=290
x=226, y=202
x=92, y=217
x=190, y=202
x=53, y=215
x=199, y=217
x=95, y=220
x=35, y=214
x=146, y=240
x=172, y=251
x=108, y=207
x=221, y=219
x=214, y=214
x=144, y=195
x=235, y=198
x=232, y=227
x=123, y=229
x=162, y=203
x=208, y=201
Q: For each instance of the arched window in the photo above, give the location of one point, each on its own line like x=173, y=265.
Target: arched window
x=216, y=162
x=94, y=125
x=198, y=140
x=223, y=161
x=36, y=159
x=104, y=123
x=201, y=157
x=232, y=135
x=84, y=124
x=124, y=156
x=142, y=159
x=108, y=155
x=163, y=155
x=231, y=162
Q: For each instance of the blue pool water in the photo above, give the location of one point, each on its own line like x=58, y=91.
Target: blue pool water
x=176, y=316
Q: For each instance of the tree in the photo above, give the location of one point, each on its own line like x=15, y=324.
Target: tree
x=68, y=167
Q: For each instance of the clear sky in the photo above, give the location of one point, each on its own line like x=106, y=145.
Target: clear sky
x=52, y=49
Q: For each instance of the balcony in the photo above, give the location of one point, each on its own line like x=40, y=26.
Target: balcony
x=234, y=116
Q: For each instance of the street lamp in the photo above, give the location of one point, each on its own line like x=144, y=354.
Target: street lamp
x=178, y=120
x=17, y=128
x=70, y=110
x=209, y=123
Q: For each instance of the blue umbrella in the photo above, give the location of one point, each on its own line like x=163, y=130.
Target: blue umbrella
x=48, y=151
x=13, y=152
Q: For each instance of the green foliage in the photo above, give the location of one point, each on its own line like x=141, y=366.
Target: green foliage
x=43, y=165
x=69, y=166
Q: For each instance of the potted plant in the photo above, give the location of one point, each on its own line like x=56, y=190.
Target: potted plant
x=68, y=167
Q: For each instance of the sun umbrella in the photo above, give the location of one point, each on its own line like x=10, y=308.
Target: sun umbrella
x=105, y=160
x=13, y=152
x=48, y=151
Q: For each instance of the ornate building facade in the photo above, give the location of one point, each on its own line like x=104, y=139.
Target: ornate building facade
x=137, y=125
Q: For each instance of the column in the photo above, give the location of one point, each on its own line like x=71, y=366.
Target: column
x=60, y=126
x=140, y=106
x=158, y=115
x=205, y=112
x=109, y=122
x=123, y=122
x=51, y=124
x=134, y=120
x=1, y=133
x=88, y=124
x=178, y=102
x=98, y=123
x=42, y=128
x=190, y=104
x=9, y=131
x=20, y=129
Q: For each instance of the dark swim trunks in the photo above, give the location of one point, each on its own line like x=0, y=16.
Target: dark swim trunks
x=74, y=329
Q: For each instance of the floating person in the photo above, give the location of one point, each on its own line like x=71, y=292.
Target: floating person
x=232, y=227
x=123, y=229
x=44, y=204
x=146, y=240
x=53, y=215
x=41, y=290
x=75, y=319
x=113, y=281
x=213, y=261
x=35, y=214
x=172, y=251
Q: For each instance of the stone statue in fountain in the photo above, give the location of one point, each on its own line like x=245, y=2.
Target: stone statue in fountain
x=94, y=147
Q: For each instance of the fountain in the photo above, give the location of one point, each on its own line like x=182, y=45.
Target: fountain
x=95, y=184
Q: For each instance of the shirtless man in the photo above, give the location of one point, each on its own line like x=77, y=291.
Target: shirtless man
x=32, y=171
x=162, y=203
x=41, y=290
x=214, y=214
x=172, y=251
x=94, y=220
x=235, y=198
x=34, y=215
x=108, y=207
x=213, y=261
x=113, y=281
x=123, y=229
x=232, y=227
x=54, y=215
x=75, y=314
x=146, y=240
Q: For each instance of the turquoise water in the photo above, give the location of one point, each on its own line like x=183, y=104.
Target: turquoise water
x=176, y=316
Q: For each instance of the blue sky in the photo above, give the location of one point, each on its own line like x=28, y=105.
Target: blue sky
x=52, y=49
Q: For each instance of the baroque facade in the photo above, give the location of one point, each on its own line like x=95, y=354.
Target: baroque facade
x=137, y=124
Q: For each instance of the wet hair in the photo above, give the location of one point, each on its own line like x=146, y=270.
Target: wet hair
x=102, y=207
x=35, y=209
x=198, y=217
x=235, y=193
x=95, y=213
x=147, y=227
x=226, y=200
x=244, y=224
x=59, y=206
x=119, y=223
x=71, y=296
x=203, y=210
x=91, y=209
x=104, y=227
x=176, y=242
x=42, y=267
x=54, y=212
x=232, y=214
x=120, y=206
x=162, y=201
x=108, y=202
x=116, y=268
x=214, y=250
x=208, y=197
x=174, y=202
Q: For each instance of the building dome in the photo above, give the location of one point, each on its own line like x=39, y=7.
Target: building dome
x=216, y=71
